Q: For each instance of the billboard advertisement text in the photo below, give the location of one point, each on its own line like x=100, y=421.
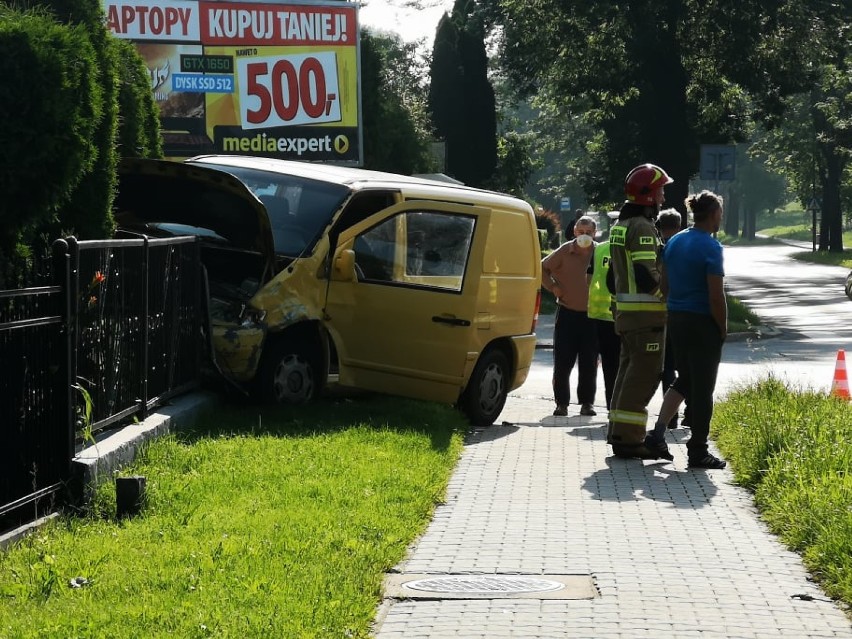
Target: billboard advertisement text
x=279, y=80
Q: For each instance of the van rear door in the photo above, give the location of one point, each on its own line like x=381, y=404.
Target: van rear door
x=404, y=318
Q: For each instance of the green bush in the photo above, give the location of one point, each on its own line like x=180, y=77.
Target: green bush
x=48, y=117
x=547, y=220
x=139, y=122
x=88, y=213
x=543, y=241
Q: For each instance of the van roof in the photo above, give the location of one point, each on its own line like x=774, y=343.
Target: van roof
x=358, y=179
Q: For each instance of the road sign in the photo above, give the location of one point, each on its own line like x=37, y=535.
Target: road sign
x=813, y=205
x=565, y=204
x=718, y=162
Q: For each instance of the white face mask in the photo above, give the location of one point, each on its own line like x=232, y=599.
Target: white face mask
x=584, y=241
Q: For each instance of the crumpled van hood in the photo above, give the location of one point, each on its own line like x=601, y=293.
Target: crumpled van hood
x=161, y=197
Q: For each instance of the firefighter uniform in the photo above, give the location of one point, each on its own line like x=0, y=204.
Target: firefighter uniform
x=640, y=320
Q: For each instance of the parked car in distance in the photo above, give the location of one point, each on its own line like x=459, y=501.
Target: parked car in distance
x=325, y=274
x=848, y=286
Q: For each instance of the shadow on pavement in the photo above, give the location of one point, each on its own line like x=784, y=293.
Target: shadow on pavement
x=481, y=435
x=634, y=480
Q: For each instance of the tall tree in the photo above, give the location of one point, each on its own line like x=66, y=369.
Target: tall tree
x=393, y=103
x=654, y=80
x=813, y=149
x=461, y=97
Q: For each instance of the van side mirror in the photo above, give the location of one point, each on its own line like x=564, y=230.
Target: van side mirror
x=344, y=266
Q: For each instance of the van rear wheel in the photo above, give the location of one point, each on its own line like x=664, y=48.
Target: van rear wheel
x=289, y=374
x=485, y=395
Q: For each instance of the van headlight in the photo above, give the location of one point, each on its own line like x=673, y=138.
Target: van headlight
x=250, y=316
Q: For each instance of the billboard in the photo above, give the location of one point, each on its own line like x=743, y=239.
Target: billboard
x=263, y=78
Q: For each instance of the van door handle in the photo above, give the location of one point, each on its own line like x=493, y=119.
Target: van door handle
x=451, y=320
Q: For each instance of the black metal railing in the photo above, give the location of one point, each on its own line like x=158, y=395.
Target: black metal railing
x=36, y=421
x=137, y=324
x=118, y=333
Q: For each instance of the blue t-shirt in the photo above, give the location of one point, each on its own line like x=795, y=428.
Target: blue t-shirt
x=690, y=256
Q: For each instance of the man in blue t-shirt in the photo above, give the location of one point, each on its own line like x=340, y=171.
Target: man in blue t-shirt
x=693, y=280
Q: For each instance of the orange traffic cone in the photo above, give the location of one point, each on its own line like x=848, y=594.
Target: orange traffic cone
x=840, y=385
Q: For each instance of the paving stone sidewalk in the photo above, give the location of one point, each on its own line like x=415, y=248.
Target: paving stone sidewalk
x=672, y=553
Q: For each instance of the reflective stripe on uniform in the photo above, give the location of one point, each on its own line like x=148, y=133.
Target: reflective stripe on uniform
x=642, y=255
x=637, y=297
x=628, y=417
x=639, y=302
x=640, y=306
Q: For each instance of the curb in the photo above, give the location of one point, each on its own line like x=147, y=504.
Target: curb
x=761, y=331
x=102, y=460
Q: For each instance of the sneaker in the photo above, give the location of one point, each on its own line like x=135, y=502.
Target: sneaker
x=587, y=410
x=657, y=447
x=561, y=411
x=708, y=461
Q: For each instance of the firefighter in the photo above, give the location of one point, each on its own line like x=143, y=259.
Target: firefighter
x=640, y=313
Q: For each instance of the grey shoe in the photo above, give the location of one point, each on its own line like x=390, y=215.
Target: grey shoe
x=587, y=410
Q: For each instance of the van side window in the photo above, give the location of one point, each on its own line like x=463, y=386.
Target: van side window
x=362, y=205
x=417, y=248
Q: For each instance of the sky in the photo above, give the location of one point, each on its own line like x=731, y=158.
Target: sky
x=400, y=17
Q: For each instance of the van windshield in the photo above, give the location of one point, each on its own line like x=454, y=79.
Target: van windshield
x=299, y=209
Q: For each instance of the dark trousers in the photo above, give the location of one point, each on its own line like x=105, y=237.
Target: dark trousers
x=609, y=347
x=639, y=369
x=668, y=375
x=697, y=346
x=574, y=340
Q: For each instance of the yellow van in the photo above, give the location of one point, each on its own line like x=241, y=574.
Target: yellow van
x=321, y=273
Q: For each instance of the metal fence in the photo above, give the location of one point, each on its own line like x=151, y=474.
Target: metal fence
x=118, y=333
x=137, y=323
x=35, y=402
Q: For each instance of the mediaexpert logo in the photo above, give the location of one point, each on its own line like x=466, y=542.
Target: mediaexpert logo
x=264, y=143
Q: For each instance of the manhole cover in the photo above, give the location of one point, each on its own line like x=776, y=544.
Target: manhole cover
x=481, y=584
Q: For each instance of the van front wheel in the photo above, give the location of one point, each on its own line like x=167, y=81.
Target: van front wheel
x=485, y=395
x=289, y=374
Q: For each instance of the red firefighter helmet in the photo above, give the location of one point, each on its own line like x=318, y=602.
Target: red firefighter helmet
x=641, y=182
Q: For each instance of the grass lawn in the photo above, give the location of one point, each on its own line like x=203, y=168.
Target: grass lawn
x=793, y=450
x=740, y=317
x=824, y=257
x=278, y=523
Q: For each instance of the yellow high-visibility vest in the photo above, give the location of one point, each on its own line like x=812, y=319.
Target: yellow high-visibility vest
x=600, y=299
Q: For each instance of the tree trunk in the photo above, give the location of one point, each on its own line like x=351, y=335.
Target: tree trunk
x=732, y=214
x=831, y=228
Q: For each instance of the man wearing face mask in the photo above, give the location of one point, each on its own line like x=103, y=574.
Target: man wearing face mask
x=640, y=313
x=563, y=273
